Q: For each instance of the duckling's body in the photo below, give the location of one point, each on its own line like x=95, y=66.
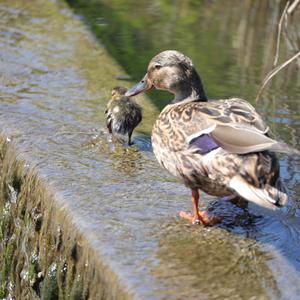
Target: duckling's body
x=123, y=114
x=221, y=147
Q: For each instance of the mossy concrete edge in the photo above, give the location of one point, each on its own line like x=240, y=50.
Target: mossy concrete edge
x=43, y=254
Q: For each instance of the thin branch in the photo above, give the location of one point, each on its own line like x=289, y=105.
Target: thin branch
x=274, y=72
x=283, y=15
x=293, y=6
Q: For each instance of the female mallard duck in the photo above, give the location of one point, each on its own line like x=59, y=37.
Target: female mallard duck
x=122, y=114
x=221, y=147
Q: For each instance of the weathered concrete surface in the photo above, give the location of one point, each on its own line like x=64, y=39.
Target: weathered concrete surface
x=42, y=253
x=50, y=66
x=90, y=221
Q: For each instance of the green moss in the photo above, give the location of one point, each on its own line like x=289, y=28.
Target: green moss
x=4, y=221
x=50, y=288
x=77, y=289
x=9, y=253
x=6, y=265
x=70, y=275
x=3, y=290
x=33, y=268
x=61, y=278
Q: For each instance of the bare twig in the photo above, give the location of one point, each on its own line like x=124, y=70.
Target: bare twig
x=274, y=72
x=288, y=9
x=293, y=6
x=283, y=15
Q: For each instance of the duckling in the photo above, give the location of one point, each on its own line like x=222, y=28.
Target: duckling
x=122, y=114
x=221, y=147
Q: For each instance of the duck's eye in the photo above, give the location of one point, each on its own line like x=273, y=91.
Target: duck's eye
x=157, y=66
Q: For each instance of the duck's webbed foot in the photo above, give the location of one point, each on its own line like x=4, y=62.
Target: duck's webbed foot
x=199, y=217
x=202, y=218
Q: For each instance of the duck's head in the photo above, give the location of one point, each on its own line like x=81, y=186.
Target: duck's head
x=172, y=71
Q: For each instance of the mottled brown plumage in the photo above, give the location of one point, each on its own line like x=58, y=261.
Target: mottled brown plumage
x=221, y=147
x=123, y=114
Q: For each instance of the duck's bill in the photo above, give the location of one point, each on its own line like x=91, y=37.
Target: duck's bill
x=143, y=86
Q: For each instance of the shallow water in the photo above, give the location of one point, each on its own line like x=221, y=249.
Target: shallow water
x=55, y=81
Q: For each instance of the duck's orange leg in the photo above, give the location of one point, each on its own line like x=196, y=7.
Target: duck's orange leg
x=198, y=217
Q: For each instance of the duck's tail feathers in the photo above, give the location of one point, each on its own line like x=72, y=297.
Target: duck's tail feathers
x=241, y=139
x=284, y=148
x=268, y=196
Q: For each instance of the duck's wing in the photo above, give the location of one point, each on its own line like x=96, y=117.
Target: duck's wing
x=232, y=124
x=239, y=111
x=234, y=139
x=241, y=139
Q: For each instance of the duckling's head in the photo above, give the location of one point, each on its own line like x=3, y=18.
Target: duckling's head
x=172, y=71
x=118, y=91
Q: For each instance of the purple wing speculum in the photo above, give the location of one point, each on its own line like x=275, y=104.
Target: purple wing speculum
x=204, y=143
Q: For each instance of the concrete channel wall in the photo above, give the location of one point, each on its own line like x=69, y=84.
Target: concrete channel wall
x=43, y=254
x=55, y=81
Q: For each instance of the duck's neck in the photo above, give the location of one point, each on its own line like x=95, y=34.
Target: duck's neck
x=191, y=89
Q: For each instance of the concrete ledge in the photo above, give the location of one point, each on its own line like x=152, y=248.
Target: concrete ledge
x=55, y=82
x=43, y=254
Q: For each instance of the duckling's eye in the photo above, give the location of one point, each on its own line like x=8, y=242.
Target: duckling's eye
x=157, y=66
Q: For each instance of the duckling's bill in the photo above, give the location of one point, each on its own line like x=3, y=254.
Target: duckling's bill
x=143, y=86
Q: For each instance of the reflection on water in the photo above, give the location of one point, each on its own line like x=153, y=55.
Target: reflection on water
x=55, y=82
x=233, y=46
